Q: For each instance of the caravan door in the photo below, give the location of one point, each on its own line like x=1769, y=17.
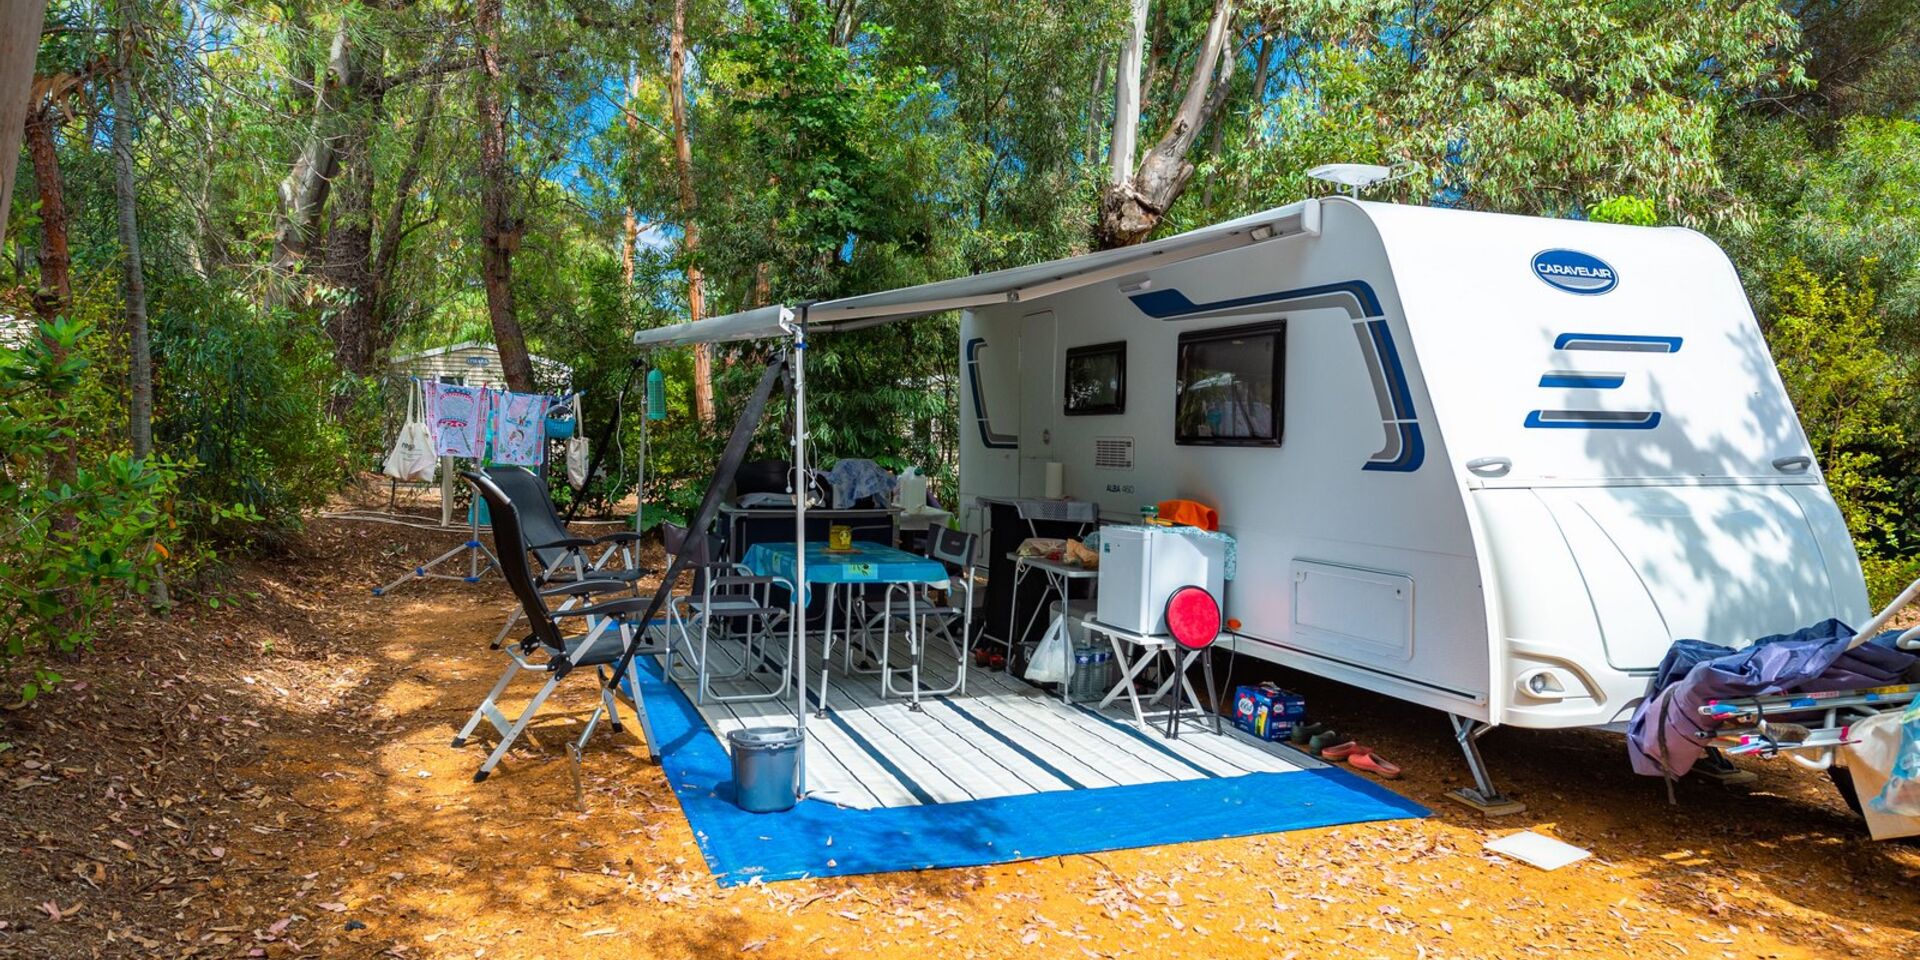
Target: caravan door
x=1039, y=399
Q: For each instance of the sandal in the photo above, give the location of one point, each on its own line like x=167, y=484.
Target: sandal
x=1341, y=751
x=1322, y=741
x=1366, y=760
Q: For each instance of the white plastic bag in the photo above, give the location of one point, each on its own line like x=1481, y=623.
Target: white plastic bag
x=412, y=458
x=1901, y=796
x=1049, y=663
x=577, y=459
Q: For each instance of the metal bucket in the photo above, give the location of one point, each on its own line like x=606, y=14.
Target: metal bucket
x=766, y=763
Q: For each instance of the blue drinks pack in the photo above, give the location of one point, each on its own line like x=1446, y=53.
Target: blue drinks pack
x=1267, y=711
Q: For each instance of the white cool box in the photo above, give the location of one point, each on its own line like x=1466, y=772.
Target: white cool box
x=1141, y=566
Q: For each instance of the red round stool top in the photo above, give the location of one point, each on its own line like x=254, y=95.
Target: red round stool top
x=1193, y=617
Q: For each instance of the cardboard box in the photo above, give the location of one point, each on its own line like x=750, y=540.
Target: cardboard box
x=1267, y=711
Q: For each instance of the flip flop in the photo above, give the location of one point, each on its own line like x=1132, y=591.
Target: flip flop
x=1366, y=760
x=1341, y=751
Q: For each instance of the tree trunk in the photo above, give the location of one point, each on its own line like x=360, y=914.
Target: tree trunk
x=139, y=345
x=499, y=229
x=348, y=266
x=1130, y=210
x=689, y=222
x=1126, y=99
x=55, y=293
x=630, y=236
x=393, y=228
x=303, y=194
x=20, y=22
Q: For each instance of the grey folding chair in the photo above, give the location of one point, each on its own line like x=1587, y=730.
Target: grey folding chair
x=546, y=649
x=560, y=554
x=953, y=549
x=726, y=603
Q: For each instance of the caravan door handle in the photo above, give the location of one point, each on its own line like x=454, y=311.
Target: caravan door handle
x=1797, y=464
x=1490, y=466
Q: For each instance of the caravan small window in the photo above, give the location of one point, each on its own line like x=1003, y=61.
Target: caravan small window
x=1230, y=385
x=1097, y=379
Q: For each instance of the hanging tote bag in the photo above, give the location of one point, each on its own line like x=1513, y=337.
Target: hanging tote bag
x=412, y=458
x=577, y=459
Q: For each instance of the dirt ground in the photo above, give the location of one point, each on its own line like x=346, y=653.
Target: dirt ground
x=273, y=778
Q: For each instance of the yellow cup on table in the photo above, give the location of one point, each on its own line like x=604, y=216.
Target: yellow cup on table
x=839, y=537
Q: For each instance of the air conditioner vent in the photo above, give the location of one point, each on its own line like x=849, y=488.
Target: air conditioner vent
x=1113, y=453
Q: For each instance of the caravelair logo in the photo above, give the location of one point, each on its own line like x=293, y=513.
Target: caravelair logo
x=1574, y=272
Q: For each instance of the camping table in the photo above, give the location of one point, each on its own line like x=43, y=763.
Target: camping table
x=1148, y=646
x=1059, y=576
x=865, y=563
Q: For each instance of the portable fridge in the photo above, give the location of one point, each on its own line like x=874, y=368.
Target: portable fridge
x=1141, y=566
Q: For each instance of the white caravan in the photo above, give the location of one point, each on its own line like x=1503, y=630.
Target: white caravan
x=1490, y=464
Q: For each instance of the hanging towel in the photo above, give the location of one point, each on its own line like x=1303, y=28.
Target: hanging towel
x=457, y=418
x=856, y=480
x=1189, y=512
x=520, y=428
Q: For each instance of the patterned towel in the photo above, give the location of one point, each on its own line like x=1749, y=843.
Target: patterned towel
x=457, y=418
x=519, y=428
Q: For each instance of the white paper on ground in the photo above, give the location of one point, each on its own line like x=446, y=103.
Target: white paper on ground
x=1541, y=851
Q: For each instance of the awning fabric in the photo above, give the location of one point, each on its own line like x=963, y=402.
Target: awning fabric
x=1027, y=283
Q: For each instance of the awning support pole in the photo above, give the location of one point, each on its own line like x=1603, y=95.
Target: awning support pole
x=798, y=622
x=640, y=469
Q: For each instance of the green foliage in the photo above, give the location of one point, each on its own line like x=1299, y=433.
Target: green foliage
x=68, y=550
x=248, y=391
x=1634, y=211
x=1825, y=337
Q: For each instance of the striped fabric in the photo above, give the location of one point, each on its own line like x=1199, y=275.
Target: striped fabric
x=1004, y=738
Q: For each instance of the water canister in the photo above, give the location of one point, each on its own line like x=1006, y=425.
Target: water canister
x=656, y=395
x=766, y=762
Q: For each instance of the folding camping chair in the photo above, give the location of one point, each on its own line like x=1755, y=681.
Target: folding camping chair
x=1193, y=619
x=560, y=553
x=729, y=600
x=953, y=549
x=546, y=648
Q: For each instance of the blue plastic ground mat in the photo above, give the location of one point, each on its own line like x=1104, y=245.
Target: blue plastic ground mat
x=817, y=839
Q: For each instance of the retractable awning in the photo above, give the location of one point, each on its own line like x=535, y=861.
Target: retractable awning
x=1001, y=286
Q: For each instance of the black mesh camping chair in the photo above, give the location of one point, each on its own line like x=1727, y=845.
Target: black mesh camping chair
x=546, y=648
x=561, y=555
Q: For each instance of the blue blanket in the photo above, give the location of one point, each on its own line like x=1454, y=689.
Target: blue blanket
x=1663, y=737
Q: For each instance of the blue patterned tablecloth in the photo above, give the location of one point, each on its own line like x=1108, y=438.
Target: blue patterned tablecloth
x=865, y=563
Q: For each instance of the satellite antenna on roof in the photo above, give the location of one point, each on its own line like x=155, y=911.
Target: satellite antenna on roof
x=1357, y=176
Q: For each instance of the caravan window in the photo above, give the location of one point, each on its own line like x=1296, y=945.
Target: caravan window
x=1230, y=385
x=1097, y=379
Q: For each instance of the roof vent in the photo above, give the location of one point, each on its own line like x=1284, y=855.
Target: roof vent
x=1113, y=453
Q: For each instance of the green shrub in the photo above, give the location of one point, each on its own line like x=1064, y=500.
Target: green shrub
x=68, y=549
x=247, y=393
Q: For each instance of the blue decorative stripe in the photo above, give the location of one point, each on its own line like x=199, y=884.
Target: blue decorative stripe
x=1172, y=304
x=1360, y=302
x=1413, y=451
x=1593, y=420
x=1583, y=381
x=1032, y=757
x=989, y=439
x=1617, y=342
x=1390, y=364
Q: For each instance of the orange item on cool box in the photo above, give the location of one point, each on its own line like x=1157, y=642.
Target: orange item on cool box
x=1189, y=513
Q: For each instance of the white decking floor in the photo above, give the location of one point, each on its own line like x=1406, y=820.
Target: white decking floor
x=1003, y=737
